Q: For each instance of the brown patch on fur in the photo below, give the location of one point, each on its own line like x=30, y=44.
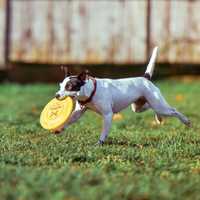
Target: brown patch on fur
x=139, y=103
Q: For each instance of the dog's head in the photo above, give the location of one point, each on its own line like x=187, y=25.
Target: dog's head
x=71, y=85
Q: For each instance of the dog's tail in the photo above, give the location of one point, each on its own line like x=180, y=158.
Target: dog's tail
x=150, y=67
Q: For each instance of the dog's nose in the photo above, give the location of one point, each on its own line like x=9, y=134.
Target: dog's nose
x=57, y=96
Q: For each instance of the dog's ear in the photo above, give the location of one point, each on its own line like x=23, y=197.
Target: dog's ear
x=65, y=70
x=83, y=75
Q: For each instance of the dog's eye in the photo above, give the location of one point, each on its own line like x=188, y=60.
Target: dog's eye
x=68, y=86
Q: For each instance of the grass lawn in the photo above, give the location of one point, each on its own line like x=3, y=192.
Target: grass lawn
x=140, y=160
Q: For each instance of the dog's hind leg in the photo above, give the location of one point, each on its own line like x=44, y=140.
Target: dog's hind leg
x=158, y=119
x=145, y=107
x=180, y=116
x=162, y=108
x=174, y=113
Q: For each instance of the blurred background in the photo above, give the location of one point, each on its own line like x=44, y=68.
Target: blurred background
x=111, y=38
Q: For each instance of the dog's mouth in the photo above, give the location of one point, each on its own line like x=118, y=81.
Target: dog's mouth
x=73, y=97
x=59, y=98
x=62, y=98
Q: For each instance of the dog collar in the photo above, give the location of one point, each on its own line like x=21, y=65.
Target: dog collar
x=91, y=95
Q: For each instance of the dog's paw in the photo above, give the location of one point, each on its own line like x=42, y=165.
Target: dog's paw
x=99, y=143
x=58, y=131
x=158, y=119
x=188, y=124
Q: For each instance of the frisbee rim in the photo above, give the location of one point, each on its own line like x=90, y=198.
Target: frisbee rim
x=44, y=121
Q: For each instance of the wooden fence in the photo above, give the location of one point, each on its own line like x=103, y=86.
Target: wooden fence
x=98, y=32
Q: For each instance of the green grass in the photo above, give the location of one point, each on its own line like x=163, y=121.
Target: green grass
x=139, y=160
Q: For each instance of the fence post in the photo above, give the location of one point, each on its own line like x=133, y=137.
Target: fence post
x=7, y=32
x=148, y=29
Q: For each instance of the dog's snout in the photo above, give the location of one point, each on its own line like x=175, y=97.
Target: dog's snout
x=57, y=96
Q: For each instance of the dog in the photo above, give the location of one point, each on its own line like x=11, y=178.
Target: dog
x=109, y=96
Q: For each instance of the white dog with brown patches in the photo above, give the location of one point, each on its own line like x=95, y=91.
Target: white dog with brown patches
x=108, y=96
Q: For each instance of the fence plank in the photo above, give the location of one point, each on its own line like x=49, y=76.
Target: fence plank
x=2, y=32
x=176, y=29
x=79, y=31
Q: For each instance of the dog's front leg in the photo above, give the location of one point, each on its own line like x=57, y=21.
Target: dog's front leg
x=107, y=121
x=75, y=116
x=79, y=111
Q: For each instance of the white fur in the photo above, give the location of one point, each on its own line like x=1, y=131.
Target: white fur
x=62, y=92
x=151, y=65
x=114, y=95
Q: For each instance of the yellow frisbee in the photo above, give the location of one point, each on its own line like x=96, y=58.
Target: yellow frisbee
x=56, y=113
